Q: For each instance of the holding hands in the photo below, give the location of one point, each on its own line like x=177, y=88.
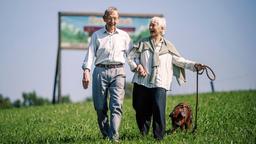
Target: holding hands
x=140, y=69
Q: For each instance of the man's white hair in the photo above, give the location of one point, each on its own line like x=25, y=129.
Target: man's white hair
x=161, y=22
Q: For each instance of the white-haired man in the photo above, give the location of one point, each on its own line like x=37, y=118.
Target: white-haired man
x=154, y=61
x=109, y=46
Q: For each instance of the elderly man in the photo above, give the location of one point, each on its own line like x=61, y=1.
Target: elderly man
x=154, y=61
x=109, y=46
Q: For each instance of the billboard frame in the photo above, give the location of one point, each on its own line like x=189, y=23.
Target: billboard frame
x=57, y=77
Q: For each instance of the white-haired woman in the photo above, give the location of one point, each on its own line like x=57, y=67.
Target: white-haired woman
x=154, y=61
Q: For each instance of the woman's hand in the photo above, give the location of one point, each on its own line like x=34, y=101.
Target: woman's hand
x=140, y=69
x=199, y=66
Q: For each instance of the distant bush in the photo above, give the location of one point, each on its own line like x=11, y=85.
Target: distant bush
x=5, y=102
x=31, y=99
x=88, y=99
x=17, y=103
x=65, y=99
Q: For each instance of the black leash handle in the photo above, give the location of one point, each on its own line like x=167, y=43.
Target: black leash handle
x=204, y=68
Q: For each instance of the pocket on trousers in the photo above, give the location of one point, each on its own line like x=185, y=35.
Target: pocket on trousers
x=120, y=81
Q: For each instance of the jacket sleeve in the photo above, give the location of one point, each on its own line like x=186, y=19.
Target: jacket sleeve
x=183, y=63
x=133, y=57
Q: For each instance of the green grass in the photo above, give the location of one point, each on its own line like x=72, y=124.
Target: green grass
x=223, y=117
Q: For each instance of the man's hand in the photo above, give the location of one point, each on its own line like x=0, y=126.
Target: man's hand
x=140, y=69
x=86, y=78
x=199, y=66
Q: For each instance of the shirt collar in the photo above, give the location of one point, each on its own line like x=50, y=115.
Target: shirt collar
x=160, y=42
x=106, y=32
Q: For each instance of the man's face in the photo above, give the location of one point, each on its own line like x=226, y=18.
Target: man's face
x=155, y=29
x=112, y=19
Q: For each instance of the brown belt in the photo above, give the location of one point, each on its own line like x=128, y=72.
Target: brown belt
x=110, y=65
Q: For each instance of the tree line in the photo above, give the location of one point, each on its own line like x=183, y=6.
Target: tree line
x=28, y=99
x=32, y=99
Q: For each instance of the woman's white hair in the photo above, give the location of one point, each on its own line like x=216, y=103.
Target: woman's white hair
x=161, y=22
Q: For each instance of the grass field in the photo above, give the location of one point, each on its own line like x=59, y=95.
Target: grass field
x=223, y=117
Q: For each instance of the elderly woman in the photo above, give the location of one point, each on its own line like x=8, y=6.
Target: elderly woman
x=154, y=61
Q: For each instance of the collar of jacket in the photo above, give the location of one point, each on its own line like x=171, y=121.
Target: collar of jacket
x=167, y=47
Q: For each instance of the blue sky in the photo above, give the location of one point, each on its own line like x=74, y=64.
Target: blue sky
x=218, y=33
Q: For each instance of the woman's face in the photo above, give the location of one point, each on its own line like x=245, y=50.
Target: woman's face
x=155, y=29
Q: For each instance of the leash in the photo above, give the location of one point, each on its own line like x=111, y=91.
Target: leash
x=212, y=78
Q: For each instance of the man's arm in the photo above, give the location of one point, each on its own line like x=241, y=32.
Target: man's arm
x=90, y=53
x=133, y=59
x=88, y=61
x=134, y=62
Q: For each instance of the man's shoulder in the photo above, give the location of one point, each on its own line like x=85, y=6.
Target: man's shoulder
x=99, y=31
x=122, y=31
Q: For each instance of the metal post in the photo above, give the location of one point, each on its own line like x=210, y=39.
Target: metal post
x=59, y=79
x=212, y=86
x=55, y=80
x=57, y=69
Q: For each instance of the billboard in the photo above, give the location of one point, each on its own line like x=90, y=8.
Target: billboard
x=75, y=29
